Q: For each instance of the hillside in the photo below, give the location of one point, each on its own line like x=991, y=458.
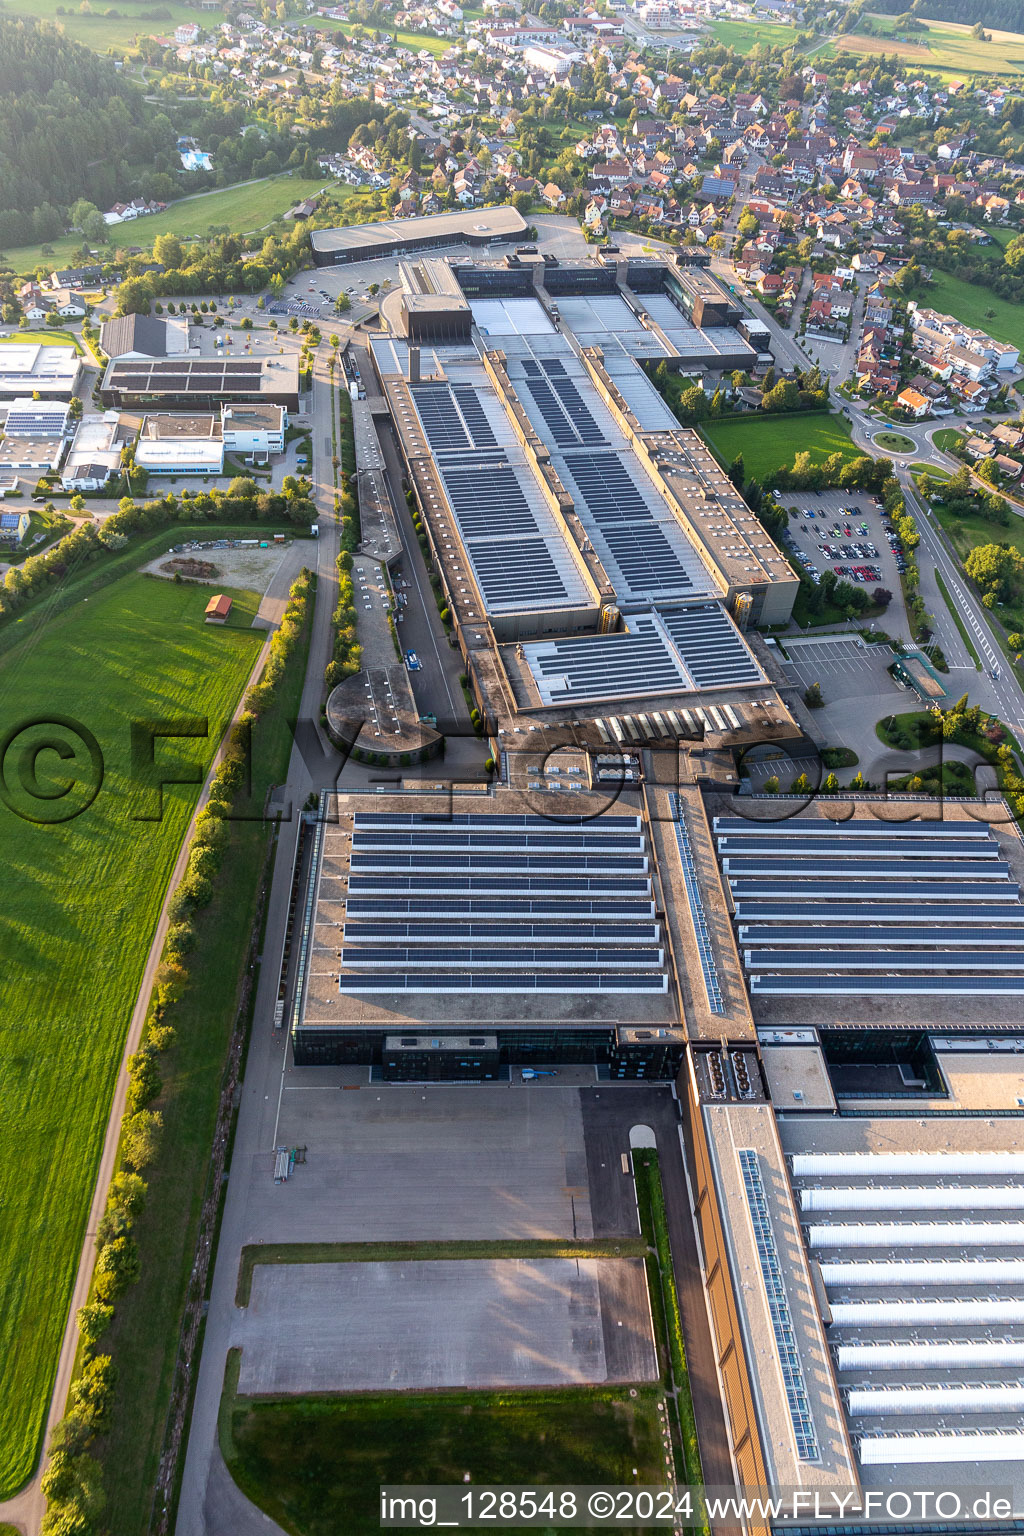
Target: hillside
x=70, y=128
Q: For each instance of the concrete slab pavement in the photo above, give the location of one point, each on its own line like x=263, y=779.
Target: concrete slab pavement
x=408, y=1326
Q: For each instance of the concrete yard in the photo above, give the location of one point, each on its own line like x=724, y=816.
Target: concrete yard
x=445, y=1323
x=399, y=1164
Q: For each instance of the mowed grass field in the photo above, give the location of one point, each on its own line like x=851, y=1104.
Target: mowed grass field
x=105, y=34
x=745, y=36
x=241, y=208
x=970, y=303
x=947, y=46
x=78, y=904
x=414, y=40
x=316, y=1465
x=768, y=442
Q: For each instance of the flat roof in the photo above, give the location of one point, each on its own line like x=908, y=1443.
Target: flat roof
x=579, y=945
x=909, y=1316
x=165, y=454
x=30, y=365
x=803, y=1434
x=478, y=224
x=202, y=376
x=163, y=425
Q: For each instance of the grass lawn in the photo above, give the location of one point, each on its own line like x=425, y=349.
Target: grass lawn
x=78, y=905
x=104, y=34
x=144, y=1337
x=946, y=439
x=42, y=339
x=316, y=1464
x=241, y=208
x=768, y=442
x=969, y=302
x=745, y=36
x=893, y=442
x=414, y=40
x=966, y=534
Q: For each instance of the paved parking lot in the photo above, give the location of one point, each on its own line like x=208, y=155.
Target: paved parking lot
x=445, y=1323
x=404, y=1164
x=857, y=690
x=813, y=536
x=845, y=667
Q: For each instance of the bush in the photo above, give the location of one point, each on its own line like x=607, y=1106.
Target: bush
x=92, y=1321
x=140, y=1138
x=128, y=1192
x=117, y=1267
x=812, y=696
x=92, y=1393
x=144, y=1076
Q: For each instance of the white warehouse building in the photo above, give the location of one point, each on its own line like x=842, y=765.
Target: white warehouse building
x=256, y=430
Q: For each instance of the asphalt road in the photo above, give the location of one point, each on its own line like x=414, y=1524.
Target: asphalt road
x=209, y=1504
x=609, y=1113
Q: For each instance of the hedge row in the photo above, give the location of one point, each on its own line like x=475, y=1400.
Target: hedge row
x=71, y=1481
x=242, y=502
x=347, y=653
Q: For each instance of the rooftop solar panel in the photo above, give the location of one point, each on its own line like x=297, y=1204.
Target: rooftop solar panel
x=882, y=890
x=890, y=913
x=513, y=956
x=824, y=984
x=713, y=649
x=856, y=848
x=605, y=907
x=879, y=869
x=571, y=982
x=885, y=959
x=811, y=827
x=935, y=934
x=456, y=930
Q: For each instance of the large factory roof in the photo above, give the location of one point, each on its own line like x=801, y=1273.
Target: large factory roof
x=475, y=224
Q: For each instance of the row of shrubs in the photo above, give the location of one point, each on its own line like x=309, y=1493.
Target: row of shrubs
x=347, y=653
x=242, y=502
x=72, y=1482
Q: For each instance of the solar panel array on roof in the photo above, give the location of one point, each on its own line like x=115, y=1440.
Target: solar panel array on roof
x=561, y=405
x=585, y=667
x=713, y=649
x=519, y=558
x=580, y=919
x=778, y=1307
x=646, y=658
x=651, y=556
x=867, y=907
x=934, y=1335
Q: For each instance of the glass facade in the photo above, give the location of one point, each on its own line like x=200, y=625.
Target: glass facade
x=654, y=1060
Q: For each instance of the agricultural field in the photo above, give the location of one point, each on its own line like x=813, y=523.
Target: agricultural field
x=108, y=34
x=947, y=47
x=745, y=36
x=246, y=206
x=78, y=906
x=768, y=442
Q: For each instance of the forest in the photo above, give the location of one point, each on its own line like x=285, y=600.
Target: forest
x=71, y=128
